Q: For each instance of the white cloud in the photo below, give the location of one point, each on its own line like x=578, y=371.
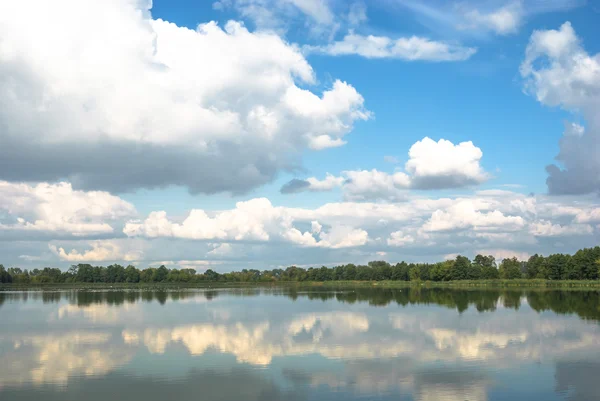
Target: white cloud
x=444, y=165
x=373, y=184
x=330, y=182
x=544, y=228
x=398, y=238
x=219, y=102
x=220, y=250
x=253, y=220
x=500, y=220
x=60, y=210
x=472, y=215
x=431, y=165
x=101, y=251
x=503, y=21
x=258, y=234
x=343, y=237
x=315, y=227
x=559, y=72
x=587, y=216
x=409, y=48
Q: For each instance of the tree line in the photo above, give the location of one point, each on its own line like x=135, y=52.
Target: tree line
x=583, y=265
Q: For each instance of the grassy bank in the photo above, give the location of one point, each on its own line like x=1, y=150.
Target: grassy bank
x=542, y=284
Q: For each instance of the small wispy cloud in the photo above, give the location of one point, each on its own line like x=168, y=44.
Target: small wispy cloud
x=413, y=48
x=499, y=17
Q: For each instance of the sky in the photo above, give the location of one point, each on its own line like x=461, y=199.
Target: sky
x=261, y=134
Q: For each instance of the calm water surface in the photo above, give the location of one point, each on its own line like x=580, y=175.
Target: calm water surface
x=446, y=345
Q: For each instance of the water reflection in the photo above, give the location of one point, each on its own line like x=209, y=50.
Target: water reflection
x=285, y=343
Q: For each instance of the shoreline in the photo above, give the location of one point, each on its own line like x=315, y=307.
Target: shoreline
x=463, y=284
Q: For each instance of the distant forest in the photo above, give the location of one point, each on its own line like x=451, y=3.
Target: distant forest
x=583, y=265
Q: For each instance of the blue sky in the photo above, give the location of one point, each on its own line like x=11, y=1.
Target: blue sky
x=466, y=101
x=112, y=121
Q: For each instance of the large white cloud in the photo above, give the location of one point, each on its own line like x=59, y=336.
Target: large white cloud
x=431, y=165
x=256, y=233
x=503, y=221
x=57, y=209
x=413, y=48
x=444, y=165
x=251, y=221
x=545, y=228
x=472, y=214
x=102, y=94
x=559, y=72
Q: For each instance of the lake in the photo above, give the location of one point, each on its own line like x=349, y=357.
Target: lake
x=292, y=344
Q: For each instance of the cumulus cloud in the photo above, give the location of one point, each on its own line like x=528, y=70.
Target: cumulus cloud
x=545, y=228
x=559, y=72
x=253, y=220
x=435, y=165
x=374, y=184
x=257, y=234
x=343, y=237
x=431, y=165
x=500, y=220
x=220, y=109
x=398, y=238
x=58, y=209
x=412, y=48
x=587, y=216
x=101, y=251
x=475, y=215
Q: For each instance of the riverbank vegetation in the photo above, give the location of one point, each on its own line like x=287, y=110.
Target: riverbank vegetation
x=538, y=270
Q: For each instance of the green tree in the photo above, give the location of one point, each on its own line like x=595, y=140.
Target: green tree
x=441, y=271
x=132, y=275
x=485, y=261
x=5, y=277
x=414, y=273
x=160, y=274
x=510, y=269
x=474, y=272
x=400, y=271
x=556, y=266
x=460, y=270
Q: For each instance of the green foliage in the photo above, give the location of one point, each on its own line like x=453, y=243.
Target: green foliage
x=5, y=276
x=583, y=265
x=461, y=268
x=510, y=269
